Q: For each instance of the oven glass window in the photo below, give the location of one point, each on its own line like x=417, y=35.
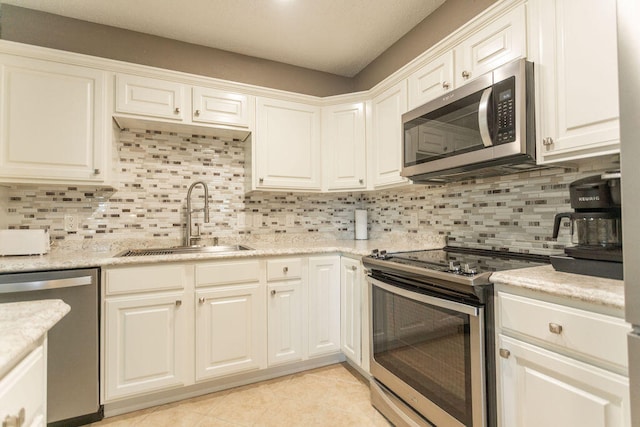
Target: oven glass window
x=427, y=347
x=445, y=132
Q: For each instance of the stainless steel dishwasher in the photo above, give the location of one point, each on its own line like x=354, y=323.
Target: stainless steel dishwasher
x=73, y=344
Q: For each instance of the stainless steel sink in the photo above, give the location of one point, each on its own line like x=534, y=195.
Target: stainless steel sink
x=179, y=250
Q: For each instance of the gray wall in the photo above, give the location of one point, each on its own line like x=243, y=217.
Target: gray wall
x=57, y=32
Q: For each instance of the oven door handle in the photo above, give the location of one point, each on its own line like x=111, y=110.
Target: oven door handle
x=438, y=302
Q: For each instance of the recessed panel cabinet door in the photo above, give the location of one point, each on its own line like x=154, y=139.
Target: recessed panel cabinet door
x=287, y=141
x=542, y=388
x=146, y=344
x=350, y=309
x=577, y=72
x=324, y=305
x=52, y=121
x=221, y=107
x=150, y=97
x=285, y=321
x=230, y=330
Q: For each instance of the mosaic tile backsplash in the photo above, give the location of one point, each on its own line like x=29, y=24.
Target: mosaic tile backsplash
x=153, y=170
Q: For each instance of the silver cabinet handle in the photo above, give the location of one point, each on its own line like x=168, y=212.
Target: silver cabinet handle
x=197, y=113
x=202, y=300
x=261, y=180
x=177, y=110
x=361, y=181
x=273, y=292
x=445, y=85
x=466, y=74
x=547, y=141
x=96, y=171
x=554, y=328
x=354, y=268
x=15, y=420
x=178, y=303
x=285, y=269
x=504, y=353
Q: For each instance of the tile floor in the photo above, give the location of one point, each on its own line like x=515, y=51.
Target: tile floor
x=334, y=395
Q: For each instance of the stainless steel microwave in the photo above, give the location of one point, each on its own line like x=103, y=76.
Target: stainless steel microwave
x=483, y=128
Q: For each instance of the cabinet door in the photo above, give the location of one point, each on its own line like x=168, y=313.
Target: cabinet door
x=52, y=121
x=388, y=108
x=230, y=330
x=150, y=97
x=431, y=81
x=350, y=309
x=344, y=146
x=500, y=42
x=146, y=344
x=220, y=107
x=577, y=74
x=284, y=321
x=24, y=390
x=324, y=305
x=287, y=141
x=542, y=388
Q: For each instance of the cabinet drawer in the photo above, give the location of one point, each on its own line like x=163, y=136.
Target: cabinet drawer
x=148, y=278
x=225, y=273
x=286, y=268
x=592, y=334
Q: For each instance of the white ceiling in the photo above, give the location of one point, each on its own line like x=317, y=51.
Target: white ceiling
x=335, y=36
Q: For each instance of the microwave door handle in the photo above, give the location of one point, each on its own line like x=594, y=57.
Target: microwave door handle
x=483, y=122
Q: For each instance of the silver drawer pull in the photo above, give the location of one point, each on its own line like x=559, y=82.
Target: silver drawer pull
x=177, y=110
x=285, y=269
x=178, y=303
x=273, y=292
x=202, y=300
x=354, y=268
x=504, y=353
x=554, y=328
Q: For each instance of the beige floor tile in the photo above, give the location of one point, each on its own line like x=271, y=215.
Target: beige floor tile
x=335, y=395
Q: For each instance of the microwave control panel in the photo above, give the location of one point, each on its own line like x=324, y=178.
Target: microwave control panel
x=504, y=99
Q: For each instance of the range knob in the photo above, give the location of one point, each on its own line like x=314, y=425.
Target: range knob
x=374, y=253
x=470, y=269
x=383, y=254
x=454, y=267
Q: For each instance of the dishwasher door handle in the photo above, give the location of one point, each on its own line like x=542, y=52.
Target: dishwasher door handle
x=38, y=285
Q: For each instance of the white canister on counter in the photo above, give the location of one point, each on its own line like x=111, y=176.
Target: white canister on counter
x=361, y=224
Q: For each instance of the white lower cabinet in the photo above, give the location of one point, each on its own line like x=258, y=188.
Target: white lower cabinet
x=230, y=312
x=351, y=309
x=23, y=391
x=544, y=388
x=324, y=305
x=146, y=343
x=285, y=310
x=559, y=365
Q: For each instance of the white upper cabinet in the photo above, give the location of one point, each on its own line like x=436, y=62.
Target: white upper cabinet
x=576, y=77
x=150, y=97
x=388, y=108
x=286, y=146
x=496, y=44
x=167, y=105
x=52, y=122
x=344, y=146
x=431, y=81
x=221, y=107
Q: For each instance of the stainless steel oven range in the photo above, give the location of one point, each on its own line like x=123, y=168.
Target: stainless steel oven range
x=431, y=334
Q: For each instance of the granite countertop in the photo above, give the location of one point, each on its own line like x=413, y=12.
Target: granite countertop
x=59, y=259
x=21, y=326
x=588, y=289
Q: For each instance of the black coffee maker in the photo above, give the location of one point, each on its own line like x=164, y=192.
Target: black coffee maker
x=596, y=228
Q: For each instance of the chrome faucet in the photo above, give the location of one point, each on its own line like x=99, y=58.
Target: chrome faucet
x=189, y=238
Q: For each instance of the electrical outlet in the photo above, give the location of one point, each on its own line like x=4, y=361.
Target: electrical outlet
x=242, y=220
x=290, y=220
x=70, y=223
x=414, y=219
